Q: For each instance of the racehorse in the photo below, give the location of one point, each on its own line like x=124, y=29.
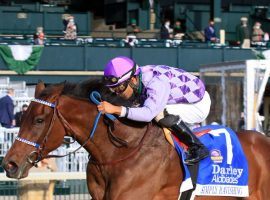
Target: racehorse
x=129, y=160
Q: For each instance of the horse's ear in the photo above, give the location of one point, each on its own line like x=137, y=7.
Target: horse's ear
x=39, y=87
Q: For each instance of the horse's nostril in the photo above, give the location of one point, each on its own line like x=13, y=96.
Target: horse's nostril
x=11, y=167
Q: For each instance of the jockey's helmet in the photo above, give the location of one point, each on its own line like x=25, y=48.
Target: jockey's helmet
x=119, y=70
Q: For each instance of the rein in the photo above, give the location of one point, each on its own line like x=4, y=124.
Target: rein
x=94, y=96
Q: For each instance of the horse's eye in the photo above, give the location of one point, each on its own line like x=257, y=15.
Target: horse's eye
x=39, y=121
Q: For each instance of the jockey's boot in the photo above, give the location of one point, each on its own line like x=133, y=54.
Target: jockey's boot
x=196, y=150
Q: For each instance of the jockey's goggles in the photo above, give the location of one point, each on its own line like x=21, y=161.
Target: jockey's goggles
x=119, y=89
x=113, y=81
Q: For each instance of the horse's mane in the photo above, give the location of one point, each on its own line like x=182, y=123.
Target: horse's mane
x=83, y=90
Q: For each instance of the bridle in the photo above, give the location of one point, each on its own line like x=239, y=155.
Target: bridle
x=40, y=147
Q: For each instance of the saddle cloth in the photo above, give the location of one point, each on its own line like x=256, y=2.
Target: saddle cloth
x=225, y=171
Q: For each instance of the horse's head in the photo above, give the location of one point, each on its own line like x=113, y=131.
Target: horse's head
x=34, y=140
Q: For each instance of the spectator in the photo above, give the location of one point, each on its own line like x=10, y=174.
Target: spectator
x=71, y=29
x=112, y=29
x=18, y=115
x=210, y=33
x=132, y=30
x=257, y=34
x=243, y=33
x=65, y=22
x=241, y=122
x=39, y=36
x=178, y=31
x=7, y=109
x=165, y=30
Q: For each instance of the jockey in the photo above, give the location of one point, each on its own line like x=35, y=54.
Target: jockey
x=174, y=98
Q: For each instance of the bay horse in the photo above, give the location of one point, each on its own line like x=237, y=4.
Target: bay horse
x=129, y=160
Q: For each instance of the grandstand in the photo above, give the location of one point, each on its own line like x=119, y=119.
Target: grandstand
x=100, y=38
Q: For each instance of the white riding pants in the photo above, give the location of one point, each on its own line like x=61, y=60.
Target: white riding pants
x=189, y=113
